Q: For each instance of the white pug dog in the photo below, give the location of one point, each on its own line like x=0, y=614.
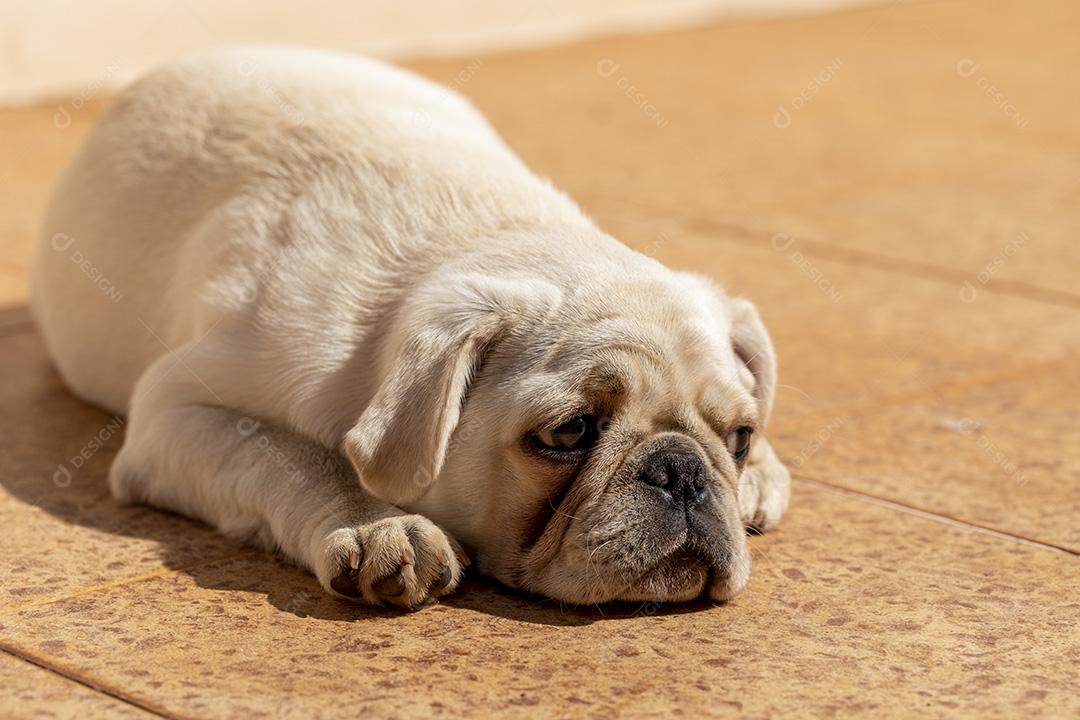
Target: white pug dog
x=347, y=322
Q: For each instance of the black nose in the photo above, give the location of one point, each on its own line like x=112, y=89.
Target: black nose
x=681, y=475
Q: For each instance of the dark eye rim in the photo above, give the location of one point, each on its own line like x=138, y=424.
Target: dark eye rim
x=592, y=434
x=739, y=456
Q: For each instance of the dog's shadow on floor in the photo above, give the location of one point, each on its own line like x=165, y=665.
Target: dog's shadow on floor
x=56, y=453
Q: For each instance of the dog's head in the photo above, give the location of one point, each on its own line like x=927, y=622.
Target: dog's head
x=583, y=439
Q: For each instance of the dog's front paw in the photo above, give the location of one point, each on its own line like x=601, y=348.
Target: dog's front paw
x=403, y=560
x=764, y=488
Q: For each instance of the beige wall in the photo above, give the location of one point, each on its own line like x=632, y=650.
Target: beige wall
x=57, y=48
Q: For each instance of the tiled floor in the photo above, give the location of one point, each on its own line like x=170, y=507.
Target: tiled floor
x=911, y=239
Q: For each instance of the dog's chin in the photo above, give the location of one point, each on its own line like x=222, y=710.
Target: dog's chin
x=680, y=577
x=695, y=566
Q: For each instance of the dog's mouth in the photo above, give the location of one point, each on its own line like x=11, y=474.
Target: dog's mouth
x=682, y=573
x=681, y=576
x=699, y=566
x=657, y=558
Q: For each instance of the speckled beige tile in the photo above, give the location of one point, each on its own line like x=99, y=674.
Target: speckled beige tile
x=935, y=133
x=32, y=692
x=848, y=336
x=1004, y=455
x=63, y=532
x=852, y=609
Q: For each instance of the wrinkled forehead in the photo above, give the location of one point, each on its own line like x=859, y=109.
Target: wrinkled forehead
x=644, y=344
x=677, y=327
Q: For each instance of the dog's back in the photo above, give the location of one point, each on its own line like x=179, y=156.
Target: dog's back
x=190, y=203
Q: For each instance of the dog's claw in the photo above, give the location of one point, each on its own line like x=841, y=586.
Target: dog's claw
x=429, y=600
x=345, y=583
x=442, y=579
x=390, y=586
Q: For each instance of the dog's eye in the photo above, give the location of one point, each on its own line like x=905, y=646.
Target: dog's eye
x=577, y=434
x=738, y=443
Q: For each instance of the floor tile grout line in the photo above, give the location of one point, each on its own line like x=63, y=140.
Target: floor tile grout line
x=732, y=232
x=967, y=384
x=823, y=249
x=166, y=572
x=935, y=517
x=50, y=666
x=946, y=275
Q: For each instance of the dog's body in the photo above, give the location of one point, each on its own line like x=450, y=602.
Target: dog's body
x=323, y=270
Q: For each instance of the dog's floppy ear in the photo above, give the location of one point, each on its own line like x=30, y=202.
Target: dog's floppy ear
x=749, y=340
x=752, y=346
x=438, y=341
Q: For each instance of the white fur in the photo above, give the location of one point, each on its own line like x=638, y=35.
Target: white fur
x=282, y=226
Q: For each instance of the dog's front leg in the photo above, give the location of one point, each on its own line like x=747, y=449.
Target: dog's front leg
x=764, y=487
x=186, y=453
